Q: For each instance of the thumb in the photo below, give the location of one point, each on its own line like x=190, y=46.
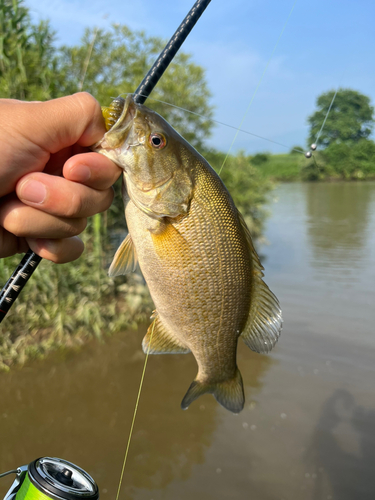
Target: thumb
x=32, y=131
x=62, y=122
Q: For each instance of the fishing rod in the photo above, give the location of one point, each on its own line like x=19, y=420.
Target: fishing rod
x=31, y=260
x=51, y=479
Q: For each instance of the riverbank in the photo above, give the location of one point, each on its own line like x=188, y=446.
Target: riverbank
x=339, y=162
x=64, y=306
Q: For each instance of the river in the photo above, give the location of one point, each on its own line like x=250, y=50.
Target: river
x=308, y=427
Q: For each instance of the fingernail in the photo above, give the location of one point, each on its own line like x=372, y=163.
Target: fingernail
x=33, y=191
x=80, y=173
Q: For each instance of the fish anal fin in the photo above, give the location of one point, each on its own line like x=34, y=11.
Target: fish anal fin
x=125, y=259
x=162, y=342
x=264, y=323
x=229, y=393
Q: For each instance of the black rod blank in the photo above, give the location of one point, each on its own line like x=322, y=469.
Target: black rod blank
x=17, y=281
x=31, y=260
x=160, y=65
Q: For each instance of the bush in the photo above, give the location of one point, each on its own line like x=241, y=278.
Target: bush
x=295, y=150
x=343, y=161
x=66, y=305
x=260, y=158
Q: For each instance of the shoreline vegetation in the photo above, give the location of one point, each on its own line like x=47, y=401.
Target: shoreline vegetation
x=340, y=162
x=66, y=305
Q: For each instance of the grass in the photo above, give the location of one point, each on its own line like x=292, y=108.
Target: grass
x=282, y=167
x=339, y=161
x=66, y=305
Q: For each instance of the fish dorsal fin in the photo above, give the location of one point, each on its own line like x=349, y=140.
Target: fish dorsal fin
x=125, y=259
x=162, y=341
x=264, y=323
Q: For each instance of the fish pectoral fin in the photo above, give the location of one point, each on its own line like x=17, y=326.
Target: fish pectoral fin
x=162, y=342
x=125, y=259
x=229, y=393
x=169, y=244
x=166, y=235
x=264, y=323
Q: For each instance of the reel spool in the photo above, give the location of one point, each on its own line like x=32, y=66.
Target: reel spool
x=52, y=478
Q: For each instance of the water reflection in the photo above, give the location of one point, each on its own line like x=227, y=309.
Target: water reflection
x=343, y=449
x=308, y=428
x=79, y=405
x=338, y=224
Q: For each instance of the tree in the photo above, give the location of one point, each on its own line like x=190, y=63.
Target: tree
x=27, y=55
x=113, y=62
x=106, y=64
x=349, y=120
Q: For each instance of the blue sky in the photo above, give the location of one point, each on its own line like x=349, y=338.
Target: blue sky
x=326, y=44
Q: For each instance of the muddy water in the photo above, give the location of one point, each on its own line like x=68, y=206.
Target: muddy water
x=308, y=428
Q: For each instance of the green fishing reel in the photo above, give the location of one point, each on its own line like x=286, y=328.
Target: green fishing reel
x=51, y=478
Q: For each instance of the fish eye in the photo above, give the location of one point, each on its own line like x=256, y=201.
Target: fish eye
x=157, y=141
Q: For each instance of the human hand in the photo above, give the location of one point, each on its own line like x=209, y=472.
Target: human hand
x=39, y=208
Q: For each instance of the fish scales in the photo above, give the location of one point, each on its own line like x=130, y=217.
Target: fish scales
x=195, y=253
x=206, y=282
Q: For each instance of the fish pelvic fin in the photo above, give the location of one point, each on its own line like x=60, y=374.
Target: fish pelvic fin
x=264, y=323
x=229, y=393
x=125, y=259
x=162, y=341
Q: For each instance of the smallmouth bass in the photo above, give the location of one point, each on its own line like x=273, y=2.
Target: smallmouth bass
x=194, y=250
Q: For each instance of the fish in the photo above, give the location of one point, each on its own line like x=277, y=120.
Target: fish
x=194, y=250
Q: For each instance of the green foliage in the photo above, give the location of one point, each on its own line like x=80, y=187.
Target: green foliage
x=27, y=55
x=316, y=168
x=295, y=150
x=350, y=118
x=343, y=161
x=246, y=185
x=281, y=167
x=66, y=305
x=260, y=158
x=114, y=62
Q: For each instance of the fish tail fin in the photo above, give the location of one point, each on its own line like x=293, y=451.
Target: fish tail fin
x=229, y=393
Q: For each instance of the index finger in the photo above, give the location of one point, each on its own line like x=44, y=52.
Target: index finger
x=92, y=169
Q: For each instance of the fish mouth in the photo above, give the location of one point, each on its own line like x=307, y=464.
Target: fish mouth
x=127, y=114
x=118, y=134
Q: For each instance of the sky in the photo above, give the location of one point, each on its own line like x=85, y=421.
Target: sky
x=326, y=44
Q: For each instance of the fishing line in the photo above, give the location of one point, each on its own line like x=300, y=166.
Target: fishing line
x=227, y=125
x=87, y=60
x=220, y=123
x=313, y=147
x=330, y=106
x=325, y=119
x=257, y=87
x=135, y=412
